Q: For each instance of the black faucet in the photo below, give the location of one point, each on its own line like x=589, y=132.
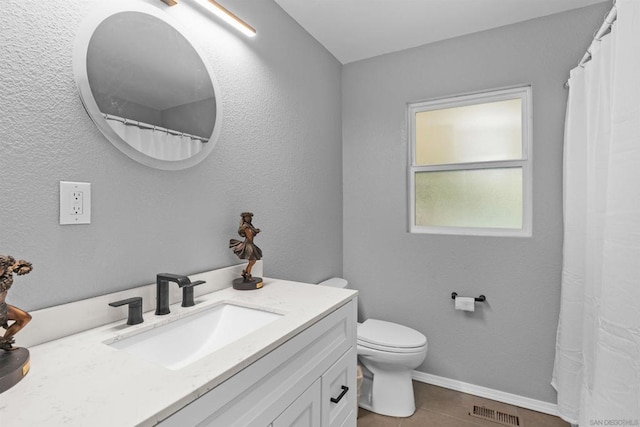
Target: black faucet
x=187, y=293
x=162, y=291
x=135, y=309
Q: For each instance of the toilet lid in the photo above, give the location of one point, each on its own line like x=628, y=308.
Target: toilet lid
x=387, y=334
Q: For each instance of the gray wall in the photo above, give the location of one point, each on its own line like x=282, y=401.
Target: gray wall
x=193, y=118
x=508, y=343
x=279, y=155
x=116, y=106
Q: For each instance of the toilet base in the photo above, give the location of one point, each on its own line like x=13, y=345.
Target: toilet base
x=390, y=395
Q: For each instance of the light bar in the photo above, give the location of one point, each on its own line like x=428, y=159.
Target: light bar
x=224, y=14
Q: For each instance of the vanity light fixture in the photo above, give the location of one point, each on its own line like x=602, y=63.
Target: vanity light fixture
x=222, y=13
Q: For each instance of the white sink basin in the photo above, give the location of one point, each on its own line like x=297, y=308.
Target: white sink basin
x=179, y=343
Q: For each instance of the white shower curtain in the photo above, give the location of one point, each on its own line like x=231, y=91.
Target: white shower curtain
x=156, y=143
x=597, y=363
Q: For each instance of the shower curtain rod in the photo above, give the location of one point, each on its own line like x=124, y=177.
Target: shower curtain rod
x=154, y=127
x=602, y=31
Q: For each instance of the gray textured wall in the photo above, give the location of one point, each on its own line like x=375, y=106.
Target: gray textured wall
x=508, y=344
x=279, y=155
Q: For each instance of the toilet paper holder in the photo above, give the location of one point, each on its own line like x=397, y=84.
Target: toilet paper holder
x=481, y=298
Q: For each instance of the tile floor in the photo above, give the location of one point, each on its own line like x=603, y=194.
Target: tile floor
x=441, y=407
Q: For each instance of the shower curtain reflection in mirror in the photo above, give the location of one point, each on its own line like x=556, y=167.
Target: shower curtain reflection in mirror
x=157, y=143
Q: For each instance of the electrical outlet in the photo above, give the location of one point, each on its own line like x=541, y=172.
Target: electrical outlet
x=75, y=202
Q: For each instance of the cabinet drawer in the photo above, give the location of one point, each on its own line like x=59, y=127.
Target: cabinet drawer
x=339, y=390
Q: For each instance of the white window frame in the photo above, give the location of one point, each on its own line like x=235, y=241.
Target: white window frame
x=520, y=92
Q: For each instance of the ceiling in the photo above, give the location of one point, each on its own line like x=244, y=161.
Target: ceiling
x=358, y=29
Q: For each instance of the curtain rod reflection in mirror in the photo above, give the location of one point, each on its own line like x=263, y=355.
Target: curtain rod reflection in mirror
x=144, y=125
x=224, y=14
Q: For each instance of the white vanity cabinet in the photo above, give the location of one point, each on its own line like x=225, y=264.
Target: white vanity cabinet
x=308, y=381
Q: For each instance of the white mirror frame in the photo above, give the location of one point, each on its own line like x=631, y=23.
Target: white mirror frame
x=83, y=37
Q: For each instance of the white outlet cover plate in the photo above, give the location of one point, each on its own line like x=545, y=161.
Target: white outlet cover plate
x=67, y=215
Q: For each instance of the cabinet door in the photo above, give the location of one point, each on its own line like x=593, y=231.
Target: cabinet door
x=339, y=391
x=304, y=411
x=351, y=420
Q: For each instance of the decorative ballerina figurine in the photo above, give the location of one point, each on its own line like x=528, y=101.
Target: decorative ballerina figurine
x=8, y=266
x=247, y=250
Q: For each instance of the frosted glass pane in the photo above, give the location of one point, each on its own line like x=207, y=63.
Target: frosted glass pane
x=487, y=198
x=473, y=133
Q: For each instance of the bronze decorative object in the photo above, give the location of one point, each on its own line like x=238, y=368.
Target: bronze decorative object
x=247, y=250
x=14, y=361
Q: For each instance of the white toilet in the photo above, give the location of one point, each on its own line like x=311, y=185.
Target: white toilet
x=388, y=352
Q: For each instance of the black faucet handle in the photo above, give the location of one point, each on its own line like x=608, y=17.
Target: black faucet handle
x=135, y=309
x=187, y=293
x=131, y=301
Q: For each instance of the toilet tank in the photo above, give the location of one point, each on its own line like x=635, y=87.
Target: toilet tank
x=335, y=282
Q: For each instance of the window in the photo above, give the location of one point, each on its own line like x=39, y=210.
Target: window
x=470, y=164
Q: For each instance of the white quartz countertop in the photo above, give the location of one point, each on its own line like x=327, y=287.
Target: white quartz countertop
x=79, y=380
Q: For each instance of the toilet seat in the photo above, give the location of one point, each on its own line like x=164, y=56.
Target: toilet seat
x=367, y=348
x=390, y=337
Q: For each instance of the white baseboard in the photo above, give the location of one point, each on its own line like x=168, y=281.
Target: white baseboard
x=488, y=393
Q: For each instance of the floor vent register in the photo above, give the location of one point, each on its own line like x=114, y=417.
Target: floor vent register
x=495, y=416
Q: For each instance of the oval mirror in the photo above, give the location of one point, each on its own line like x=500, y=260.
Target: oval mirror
x=146, y=87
